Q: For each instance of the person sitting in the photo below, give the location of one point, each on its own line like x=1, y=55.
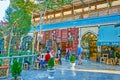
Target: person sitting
x=38, y=59
x=47, y=57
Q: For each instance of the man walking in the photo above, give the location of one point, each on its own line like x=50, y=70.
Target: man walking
x=79, y=54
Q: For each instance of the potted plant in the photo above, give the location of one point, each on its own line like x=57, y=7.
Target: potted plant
x=16, y=70
x=72, y=61
x=51, y=69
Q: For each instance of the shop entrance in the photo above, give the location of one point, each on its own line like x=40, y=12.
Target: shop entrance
x=88, y=42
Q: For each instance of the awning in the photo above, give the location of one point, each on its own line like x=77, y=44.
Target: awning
x=108, y=36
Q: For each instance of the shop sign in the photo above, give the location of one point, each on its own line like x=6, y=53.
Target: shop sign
x=108, y=43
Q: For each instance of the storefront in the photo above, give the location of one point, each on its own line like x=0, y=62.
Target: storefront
x=108, y=40
x=61, y=37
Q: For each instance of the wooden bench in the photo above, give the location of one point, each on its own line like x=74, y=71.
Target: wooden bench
x=4, y=71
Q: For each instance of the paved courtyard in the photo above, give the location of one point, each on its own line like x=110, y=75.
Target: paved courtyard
x=87, y=71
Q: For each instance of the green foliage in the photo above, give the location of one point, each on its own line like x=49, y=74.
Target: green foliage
x=63, y=2
x=51, y=63
x=0, y=62
x=15, y=54
x=51, y=4
x=3, y=55
x=16, y=69
x=4, y=31
x=27, y=6
x=35, y=52
x=19, y=21
x=72, y=58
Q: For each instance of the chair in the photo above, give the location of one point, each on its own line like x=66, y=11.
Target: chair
x=36, y=65
x=109, y=61
x=105, y=55
x=103, y=60
x=56, y=61
x=119, y=61
x=26, y=67
x=115, y=61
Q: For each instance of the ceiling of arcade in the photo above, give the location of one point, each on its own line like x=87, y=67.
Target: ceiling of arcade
x=76, y=6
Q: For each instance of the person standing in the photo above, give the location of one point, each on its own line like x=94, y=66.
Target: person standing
x=60, y=54
x=67, y=53
x=79, y=54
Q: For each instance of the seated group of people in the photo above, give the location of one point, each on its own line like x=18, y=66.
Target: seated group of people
x=44, y=58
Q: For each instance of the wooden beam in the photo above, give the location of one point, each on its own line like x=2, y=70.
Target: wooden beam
x=86, y=5
x=82, y=2
x=85, y=12
x=78, y=7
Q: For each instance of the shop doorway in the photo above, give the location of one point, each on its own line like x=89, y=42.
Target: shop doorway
x=88, y=43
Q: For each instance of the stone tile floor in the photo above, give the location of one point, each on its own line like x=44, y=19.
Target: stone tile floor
x=87, y=71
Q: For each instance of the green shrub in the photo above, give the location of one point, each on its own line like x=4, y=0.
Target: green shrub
x=16, y=69
x=51, y=64
x=72, y=59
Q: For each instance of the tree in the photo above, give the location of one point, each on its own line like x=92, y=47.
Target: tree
x=20, y=14
x=4, y=32
x=19, y=21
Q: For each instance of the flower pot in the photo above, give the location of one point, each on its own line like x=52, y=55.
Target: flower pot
x=51, y=74
x=73, y=65
x=19, y=78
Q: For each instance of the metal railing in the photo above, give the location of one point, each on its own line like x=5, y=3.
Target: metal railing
x=21, y=59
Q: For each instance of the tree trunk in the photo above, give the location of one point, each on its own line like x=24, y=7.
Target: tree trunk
x=9, y=45
x=5, y=43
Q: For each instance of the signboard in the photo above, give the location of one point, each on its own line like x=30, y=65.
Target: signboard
x=108, y=43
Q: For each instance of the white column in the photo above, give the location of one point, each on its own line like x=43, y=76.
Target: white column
x=79, y=35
